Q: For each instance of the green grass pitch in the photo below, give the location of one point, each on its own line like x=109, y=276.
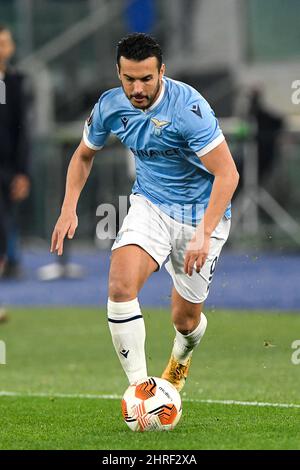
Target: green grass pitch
x=53, y=353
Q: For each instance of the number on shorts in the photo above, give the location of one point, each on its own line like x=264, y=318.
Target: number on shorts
x=212, y=268
x=211, y=271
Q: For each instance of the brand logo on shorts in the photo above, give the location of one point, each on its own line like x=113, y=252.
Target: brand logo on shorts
x=118, y=237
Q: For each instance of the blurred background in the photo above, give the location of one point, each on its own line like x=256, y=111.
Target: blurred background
x=242, y=55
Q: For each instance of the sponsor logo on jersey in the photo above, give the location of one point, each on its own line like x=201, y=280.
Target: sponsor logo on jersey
x=155, y=153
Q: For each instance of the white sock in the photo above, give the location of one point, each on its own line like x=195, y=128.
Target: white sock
x=128, y=333
x=184, y=344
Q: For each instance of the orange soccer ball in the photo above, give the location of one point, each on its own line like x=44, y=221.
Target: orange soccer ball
x=153, y=404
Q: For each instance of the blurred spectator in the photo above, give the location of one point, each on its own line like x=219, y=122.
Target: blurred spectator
x=3, y=242
x=14, y=151
x=179, y=28
x=268, y=125
x=140, y=15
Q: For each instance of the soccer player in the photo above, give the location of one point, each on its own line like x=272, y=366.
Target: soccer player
x=180, y=202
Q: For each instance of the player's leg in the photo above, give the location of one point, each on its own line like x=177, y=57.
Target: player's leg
x=130, y=268
x=188, y=296
x=141, y=246
x=190, y=325
x=185, y=315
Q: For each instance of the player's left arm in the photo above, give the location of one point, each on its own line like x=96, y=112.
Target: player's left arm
x=220, y=163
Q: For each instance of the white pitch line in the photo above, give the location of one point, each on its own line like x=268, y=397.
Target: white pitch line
x=4, y=393
x=245, y=403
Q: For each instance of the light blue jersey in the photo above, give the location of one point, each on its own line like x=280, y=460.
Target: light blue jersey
x=167, y=141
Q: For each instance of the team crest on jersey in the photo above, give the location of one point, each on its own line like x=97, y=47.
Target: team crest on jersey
x=158, y=126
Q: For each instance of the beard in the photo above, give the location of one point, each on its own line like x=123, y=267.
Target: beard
x=142, y=101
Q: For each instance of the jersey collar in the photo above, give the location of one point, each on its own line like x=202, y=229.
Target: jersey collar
x=160, y=97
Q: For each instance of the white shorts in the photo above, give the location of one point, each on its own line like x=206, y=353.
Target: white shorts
x=162, y=237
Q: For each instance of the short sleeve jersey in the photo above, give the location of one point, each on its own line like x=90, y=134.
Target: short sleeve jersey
x=167, y=141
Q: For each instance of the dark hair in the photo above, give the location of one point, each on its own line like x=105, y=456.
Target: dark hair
x=139, y=46
x=4, y=28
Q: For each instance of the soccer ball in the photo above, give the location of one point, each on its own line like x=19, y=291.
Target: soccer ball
x=152, y=404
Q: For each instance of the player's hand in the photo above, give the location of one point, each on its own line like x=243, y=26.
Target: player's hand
x=196, y=252
x=66, y=225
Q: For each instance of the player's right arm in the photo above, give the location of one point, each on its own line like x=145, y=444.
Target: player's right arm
x=78, y=172
x=93, y=139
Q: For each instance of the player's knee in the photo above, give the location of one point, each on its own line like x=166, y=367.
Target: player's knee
x=186, y=328
x=185, y=322
x=121, y=291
